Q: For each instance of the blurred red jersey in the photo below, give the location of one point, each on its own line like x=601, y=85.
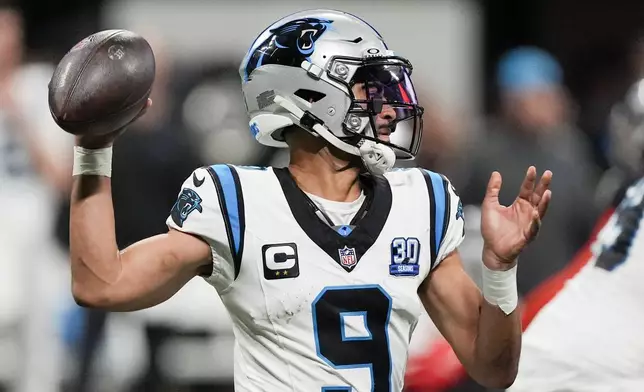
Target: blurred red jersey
x=588, y=336
x=438, y=369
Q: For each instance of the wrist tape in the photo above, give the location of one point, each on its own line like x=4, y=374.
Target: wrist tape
x=96, y=162
x=500, y=288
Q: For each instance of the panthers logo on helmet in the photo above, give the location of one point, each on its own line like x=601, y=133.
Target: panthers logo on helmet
x=288, y=44
x=187, y=202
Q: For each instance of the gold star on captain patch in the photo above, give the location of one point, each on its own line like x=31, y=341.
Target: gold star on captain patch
x=277, y=273
x=285, y=272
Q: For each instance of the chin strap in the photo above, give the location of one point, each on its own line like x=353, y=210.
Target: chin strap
x=377, y=158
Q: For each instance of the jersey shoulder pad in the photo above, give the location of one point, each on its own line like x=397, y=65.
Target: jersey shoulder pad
x=403, y=177
x=211, y=205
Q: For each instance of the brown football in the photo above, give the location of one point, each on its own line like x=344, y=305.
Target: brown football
x=102, y=83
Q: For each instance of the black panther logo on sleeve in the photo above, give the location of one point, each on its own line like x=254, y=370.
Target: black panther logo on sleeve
x=187, y=202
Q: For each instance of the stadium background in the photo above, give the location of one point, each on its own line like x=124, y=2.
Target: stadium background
x=47, y=343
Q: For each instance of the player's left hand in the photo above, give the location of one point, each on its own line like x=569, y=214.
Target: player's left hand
x=507, y=230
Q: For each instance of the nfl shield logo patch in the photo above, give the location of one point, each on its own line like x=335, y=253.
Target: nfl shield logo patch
x=348, y=257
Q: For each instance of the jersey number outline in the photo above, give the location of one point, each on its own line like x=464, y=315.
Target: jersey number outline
x=369, y=305
x=622, y=231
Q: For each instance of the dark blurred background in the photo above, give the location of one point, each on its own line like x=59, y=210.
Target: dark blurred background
x=592, y=40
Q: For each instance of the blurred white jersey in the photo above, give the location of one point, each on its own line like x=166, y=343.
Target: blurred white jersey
x=589, y=336
x=316, y=307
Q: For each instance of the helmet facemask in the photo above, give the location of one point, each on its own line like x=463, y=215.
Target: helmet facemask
x=384, y=108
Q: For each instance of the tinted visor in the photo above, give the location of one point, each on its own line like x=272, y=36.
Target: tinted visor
x=384, y=99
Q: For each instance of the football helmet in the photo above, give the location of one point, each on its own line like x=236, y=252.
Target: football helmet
x=331, y=74
x=626, y=131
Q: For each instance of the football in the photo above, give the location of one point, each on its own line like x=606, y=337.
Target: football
x=102, y=83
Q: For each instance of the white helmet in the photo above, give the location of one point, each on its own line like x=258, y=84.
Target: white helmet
x=331, y=74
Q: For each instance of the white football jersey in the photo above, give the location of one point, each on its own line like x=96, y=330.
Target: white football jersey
x=317, y=308
x=589, y=336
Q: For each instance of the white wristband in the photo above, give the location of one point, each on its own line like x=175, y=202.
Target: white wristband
x=500, y=288
x=92, y=162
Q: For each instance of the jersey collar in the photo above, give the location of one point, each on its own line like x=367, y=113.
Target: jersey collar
x=346, y=248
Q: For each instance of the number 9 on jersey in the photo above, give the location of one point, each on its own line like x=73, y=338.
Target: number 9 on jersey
x=350, y=324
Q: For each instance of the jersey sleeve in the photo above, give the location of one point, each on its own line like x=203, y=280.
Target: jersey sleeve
x=447, y=226
x=455, y=222
x=208, y=207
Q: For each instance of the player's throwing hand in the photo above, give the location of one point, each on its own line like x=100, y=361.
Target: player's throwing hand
x=507, y=230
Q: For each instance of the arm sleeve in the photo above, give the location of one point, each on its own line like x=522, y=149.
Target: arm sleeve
x=198, y=211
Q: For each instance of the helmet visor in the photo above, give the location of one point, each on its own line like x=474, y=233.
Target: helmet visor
x=384, y=106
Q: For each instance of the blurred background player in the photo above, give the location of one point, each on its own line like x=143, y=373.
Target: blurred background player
x=566, y=317
x=34, y=174
x=535, y=123
x=587, y=338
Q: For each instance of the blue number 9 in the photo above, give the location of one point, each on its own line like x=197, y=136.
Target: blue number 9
x=350, y=324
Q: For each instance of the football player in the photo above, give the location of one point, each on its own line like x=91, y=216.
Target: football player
x=587, y=337
x=324, y=266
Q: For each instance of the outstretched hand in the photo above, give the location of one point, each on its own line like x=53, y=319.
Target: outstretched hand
x=507, y=230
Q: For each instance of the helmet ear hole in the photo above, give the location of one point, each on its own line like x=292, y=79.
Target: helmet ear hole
x=309, y=95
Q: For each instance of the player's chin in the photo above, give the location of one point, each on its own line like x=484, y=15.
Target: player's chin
x=384, y=138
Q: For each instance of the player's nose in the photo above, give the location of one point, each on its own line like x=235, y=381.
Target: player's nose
x=388, y=113
x=386, y=116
